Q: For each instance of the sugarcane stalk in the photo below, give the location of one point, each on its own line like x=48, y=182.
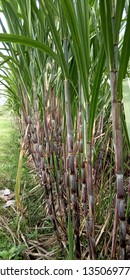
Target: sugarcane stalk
x=118, y=147
x=71, y=171
x=61, y=158
x=117, y=133
x=115, y=226
x=91, y=226
x=70, y=165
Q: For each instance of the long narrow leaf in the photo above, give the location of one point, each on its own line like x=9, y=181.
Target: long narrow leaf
x=76, y=44
x=70, y=238
x=22, y=40
x=95, y=91
x=125, y=54
x=126, y=102
x=118, y=17
x=106, y=22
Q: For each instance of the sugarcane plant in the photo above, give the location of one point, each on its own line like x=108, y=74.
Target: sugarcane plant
x=63, y=66
x=111, y=14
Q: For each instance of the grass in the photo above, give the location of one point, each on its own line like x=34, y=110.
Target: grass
x=22, y=234
x=8, y=159
x=9, y=149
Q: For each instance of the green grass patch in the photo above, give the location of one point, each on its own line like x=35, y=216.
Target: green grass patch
x=8, y=151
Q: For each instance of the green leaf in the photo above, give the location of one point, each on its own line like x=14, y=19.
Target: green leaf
x=118, y=18
x=95, y=91
x=70, y=238
x=125, y=130
x=18, y=179
x=56, y=37
x=126, y=103
x=125, y=54
x=22, y=40
x=106, y=22
x=110, y=33
x=77, y=41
